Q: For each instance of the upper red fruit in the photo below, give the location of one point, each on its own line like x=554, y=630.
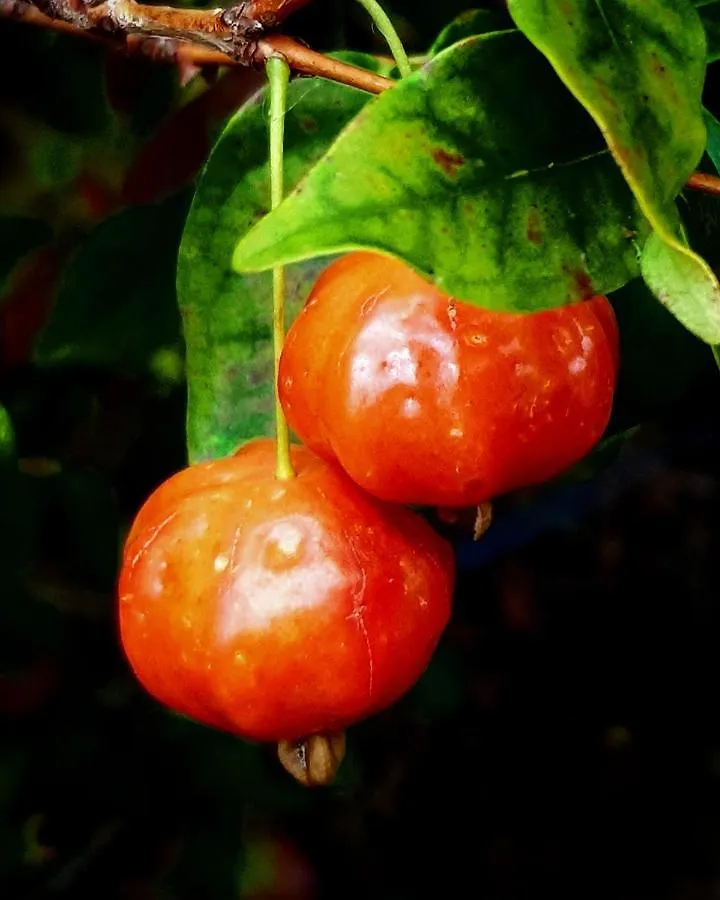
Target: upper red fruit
x=426, y=400
x=279, y=609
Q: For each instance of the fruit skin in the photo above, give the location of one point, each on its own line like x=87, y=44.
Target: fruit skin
x=279, y=609
x=426, y=400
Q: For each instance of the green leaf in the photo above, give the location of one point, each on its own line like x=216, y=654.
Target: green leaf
x=508, y=204
x=638, y=68
x=227, y=317
x=469, y=24
x=713, y=138
x=18, y=236
x=116, y=305
x=7, y=436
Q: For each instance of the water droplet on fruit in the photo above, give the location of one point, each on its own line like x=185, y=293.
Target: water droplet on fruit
x=577, y=365
x=221, y=562
x=278, y=493
x=456, y=433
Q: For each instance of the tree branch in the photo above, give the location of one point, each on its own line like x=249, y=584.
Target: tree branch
x=271, y=13
x=708, y=184
x=201, y=37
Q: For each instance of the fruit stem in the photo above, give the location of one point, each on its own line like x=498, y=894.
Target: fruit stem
x=387, y=29
x=278, y=73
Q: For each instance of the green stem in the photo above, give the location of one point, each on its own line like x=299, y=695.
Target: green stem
x=387, y=29
x=716, y=353
x=278, y=73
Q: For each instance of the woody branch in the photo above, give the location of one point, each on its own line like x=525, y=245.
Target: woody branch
x=236, y=35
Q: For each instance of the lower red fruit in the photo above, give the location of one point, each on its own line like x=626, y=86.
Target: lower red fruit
x=279, y=609
x=426, y=400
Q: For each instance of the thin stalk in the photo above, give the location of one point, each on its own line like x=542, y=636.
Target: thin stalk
x=278, y=73
x=387, y=29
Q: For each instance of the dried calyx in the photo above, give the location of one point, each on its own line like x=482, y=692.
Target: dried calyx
x=313, y=761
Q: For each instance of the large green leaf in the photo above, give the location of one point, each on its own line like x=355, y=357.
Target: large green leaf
x=506, y=203
x=638, y=67
x=116, y=306
x=226, y=316
x=481, y=21
x=18, y=236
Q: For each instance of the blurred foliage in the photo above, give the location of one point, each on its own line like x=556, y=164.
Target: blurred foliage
x=564, y=739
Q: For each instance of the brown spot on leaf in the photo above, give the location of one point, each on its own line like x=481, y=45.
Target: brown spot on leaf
x=308, y=124
x=533, y=231
x=448, y=162
x=584, y=284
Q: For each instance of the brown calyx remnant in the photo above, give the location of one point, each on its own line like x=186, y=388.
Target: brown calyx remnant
x=315, y=760
x=483, y=520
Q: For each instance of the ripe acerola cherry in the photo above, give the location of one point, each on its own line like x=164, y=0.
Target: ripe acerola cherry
x=426, y=400
x=279, y=609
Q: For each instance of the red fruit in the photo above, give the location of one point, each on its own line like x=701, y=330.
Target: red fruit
x=279, y=609
x=426, y=400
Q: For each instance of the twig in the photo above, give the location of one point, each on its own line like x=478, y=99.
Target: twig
x=708, y=184
x=156, y=43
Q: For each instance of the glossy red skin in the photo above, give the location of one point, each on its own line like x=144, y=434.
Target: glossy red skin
x=426, y=400
x=276, y=610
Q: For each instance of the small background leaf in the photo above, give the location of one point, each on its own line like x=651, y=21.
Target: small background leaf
x=67, y=87
x=227, y=317
x=508, y=204
x=713, y=138
x=7, y=437
x=638, y=68
x=18, y=236
x=116, y=306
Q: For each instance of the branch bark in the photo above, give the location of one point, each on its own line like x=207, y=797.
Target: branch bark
x=271, y=13
x=198, y=37
x=707, y=184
